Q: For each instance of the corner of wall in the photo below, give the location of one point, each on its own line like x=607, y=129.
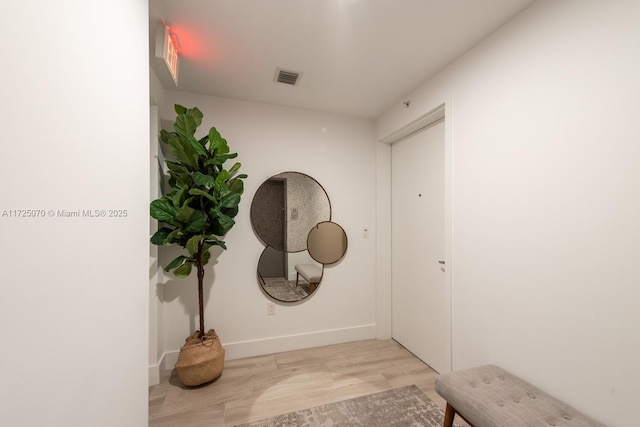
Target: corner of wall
x=383, y=241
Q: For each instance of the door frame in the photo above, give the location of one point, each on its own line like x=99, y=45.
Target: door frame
x=441, y=110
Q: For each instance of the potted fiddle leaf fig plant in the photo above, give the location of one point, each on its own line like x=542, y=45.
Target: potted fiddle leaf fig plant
x=195, y=215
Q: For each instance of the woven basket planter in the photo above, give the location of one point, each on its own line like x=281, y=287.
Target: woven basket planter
x=201, y=360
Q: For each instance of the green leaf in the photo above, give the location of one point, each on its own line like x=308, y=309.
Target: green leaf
x=180, y=147
x=183, y=271
x=160, y=236
x=234, y=168
x=163, y=210
x=174, y=236
x=204, y=180
x=236, y=186
x=230, y=200
x=218, y=145
x=179, y=109
x=226, y=222
x=185, y=125
x=215, y=140
x=175, y=263
x=196, y=223
x=170, y=137
x=222, y=224
x=176, y=167
x=230, y=212
x=220, y=159
x=165, y=135
x=178, y=196
x=206, y=256
x=196, y=114
x=197, y=146
x=217, y=242
x=205, y=246
x=193, y=243
x=199, y=192
x=222, y=177
x=184, y=181
x=184, y=213
x=183, y=150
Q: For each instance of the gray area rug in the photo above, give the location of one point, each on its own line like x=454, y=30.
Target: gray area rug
x=285, y=290
x=405, y=406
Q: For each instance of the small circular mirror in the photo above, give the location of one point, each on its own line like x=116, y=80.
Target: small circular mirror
x=327, y=242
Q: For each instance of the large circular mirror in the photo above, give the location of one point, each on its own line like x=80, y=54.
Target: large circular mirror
x=284, y=209
x=288, y=276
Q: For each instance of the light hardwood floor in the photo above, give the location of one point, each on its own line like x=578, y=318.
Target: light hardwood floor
x=261, y=387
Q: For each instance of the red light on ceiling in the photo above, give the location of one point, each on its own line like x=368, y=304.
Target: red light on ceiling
x=192, y=44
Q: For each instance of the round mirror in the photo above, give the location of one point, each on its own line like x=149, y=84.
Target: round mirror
x=288, y=276
x=291, y=214
x=327, y=242
x=284, y=209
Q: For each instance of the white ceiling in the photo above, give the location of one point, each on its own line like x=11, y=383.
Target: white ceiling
x=357, y=57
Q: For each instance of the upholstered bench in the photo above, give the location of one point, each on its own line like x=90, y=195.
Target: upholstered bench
x=488, y=396
x=311, y=273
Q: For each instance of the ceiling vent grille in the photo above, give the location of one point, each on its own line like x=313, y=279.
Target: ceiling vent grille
x=287, y=77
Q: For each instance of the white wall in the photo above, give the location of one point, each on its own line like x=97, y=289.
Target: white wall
x=339, y=152
x=74, y=88
x=156, y=273
x=546, y=185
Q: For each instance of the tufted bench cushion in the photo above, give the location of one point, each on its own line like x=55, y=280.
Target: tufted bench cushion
x=488, y=396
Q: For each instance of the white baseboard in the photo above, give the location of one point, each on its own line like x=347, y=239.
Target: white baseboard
x=169, y=359
x=156, y=370
x=239, y=350
x=154, y=375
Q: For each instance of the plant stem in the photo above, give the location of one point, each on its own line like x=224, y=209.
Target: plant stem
x=201, y=288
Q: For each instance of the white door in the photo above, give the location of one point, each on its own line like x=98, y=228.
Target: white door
x=421, y=310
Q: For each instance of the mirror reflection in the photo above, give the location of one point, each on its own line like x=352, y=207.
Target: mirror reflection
x=288, y=277
x=327, y=242
x=284, y=209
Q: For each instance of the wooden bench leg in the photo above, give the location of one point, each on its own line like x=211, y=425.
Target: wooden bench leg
x=449, y=415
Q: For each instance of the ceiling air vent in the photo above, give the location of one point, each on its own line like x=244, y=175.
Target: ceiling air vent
x=287, y=77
